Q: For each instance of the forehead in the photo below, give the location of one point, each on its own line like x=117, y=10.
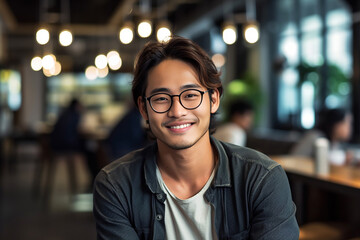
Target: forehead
x=172, y=74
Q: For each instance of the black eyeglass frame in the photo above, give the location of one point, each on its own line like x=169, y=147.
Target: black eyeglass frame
x=177, y=95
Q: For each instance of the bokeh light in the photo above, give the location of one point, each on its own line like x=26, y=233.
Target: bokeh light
x=91, y=73
x=251, y=34
x=126, y=35
x=218, y=59
x=42, y=36
x=65, y=38
x=229, y=34
x=144, y=29
x=163, y=34
x=36, y=64
x=114, y=60
x=48, y=61
x=103, y=72
x=100, y=61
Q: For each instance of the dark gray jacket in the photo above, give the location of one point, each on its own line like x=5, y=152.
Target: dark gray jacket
x=250, y=194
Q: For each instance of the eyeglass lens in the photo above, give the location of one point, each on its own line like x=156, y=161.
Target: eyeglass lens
x=189, y=99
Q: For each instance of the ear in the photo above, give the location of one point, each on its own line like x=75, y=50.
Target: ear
x=215, y=100
x=142, y=108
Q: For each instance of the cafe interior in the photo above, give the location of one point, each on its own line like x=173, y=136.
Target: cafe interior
x=292, y=59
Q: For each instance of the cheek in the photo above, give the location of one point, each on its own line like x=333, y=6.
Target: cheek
x=249, y=119
x=154, y=118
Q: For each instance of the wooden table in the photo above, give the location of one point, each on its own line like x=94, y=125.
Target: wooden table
x=341, y=180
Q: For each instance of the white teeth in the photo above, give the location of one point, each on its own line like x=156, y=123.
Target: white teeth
x=181, y=126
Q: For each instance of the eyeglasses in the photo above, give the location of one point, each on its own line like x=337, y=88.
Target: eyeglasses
x=189, y=99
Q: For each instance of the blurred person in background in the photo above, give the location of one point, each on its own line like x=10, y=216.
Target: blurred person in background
x=66, y=135
x=336, y=126
x=241, y=115
x=127, y=135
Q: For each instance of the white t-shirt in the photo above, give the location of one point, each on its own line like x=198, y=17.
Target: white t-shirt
x=191, y=218
x=231, y=133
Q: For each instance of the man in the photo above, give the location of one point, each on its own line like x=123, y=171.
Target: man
x=241, y=115
x=189, y=185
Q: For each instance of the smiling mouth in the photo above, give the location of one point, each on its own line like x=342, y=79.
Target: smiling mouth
x=180, y=126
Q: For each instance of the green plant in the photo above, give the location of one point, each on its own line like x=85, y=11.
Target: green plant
x=337, y=82
x=247, y=87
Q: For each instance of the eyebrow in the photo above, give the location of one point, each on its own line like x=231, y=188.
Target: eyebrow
x=167, y=90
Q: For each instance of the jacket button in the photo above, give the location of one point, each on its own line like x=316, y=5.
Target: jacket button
x=159, y=217
x=159, y=196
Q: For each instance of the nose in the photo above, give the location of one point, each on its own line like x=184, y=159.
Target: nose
x=176, y=110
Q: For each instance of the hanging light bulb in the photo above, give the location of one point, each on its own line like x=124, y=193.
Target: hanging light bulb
x=48, y=61
x=126, y=34
x=114, y=60
x=42, y=36
x=56, y=69
x=65, y=38
x=91, y=73
x=100, y=61
x=251, y=29
x=47, y=72
x=229, y=34
x=144, y=29
x=36, y=64
x=163, y=33
x=251, y=33
x=103, y=72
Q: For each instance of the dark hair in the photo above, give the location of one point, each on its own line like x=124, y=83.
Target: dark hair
x=240, y=106
x=73, y=103
x=329, y=118
x=176, y=48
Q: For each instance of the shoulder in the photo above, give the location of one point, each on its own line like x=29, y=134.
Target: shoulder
x=131, y=159
x=227, y=127
x=243, y=156
x=125, y=168
x=229, y=132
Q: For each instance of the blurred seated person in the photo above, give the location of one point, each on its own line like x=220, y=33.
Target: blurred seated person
x=335, y=125
x=66, y=135
x=127, y=135
x=241, y=114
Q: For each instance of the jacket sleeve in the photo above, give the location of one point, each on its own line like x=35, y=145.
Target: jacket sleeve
x=111, y=211
x=273, y=209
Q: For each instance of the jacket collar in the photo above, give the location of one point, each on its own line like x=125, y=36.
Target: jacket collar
x=222, y=175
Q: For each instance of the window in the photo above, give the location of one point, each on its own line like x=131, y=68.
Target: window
x=315, y=39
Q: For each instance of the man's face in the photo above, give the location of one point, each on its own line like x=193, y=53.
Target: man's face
x=247, y=120
x=342, y=130
x=179, y=128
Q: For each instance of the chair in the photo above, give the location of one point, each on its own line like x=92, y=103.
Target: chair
x=47, y=166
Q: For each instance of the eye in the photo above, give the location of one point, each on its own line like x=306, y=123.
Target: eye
x=160, y=99
x=191, y=95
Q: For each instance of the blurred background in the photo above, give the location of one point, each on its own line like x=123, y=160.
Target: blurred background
x=292, y=59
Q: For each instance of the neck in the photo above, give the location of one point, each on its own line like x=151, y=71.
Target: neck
x=186, y=171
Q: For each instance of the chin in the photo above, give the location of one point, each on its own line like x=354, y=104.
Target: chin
x=180, y=146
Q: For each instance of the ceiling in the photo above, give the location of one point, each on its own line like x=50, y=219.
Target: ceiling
x=95, y=25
